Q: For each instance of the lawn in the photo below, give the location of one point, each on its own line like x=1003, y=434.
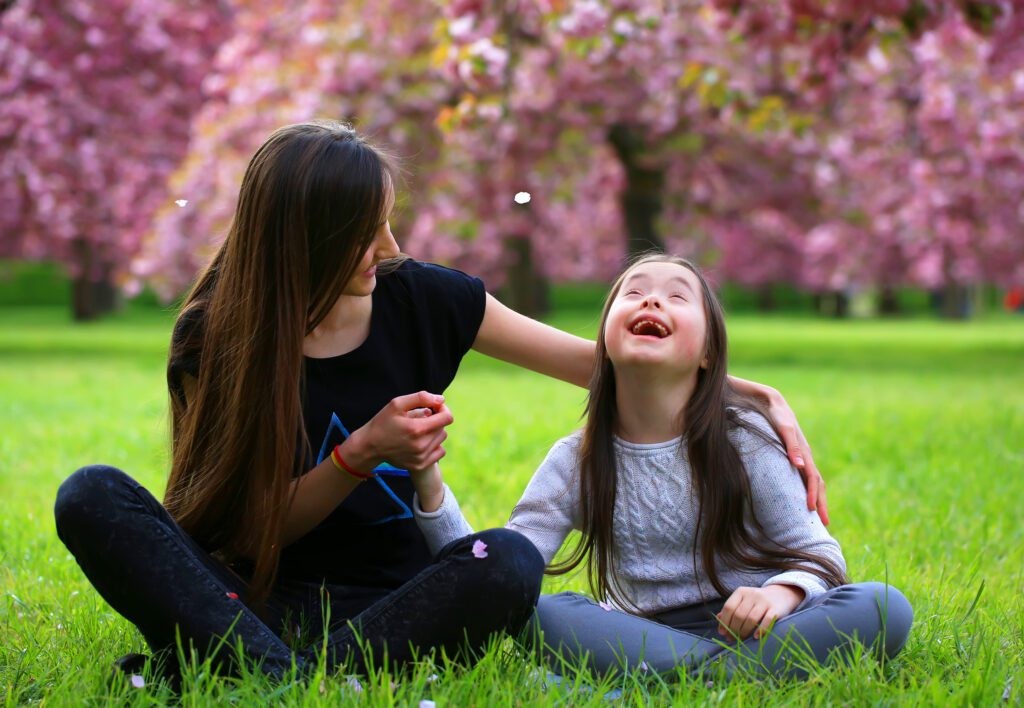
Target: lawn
x=918, y=426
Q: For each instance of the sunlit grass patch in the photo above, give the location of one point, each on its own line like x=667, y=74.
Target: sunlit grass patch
x=917, y=425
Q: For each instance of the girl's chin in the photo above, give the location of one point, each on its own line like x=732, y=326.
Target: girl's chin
x=656, y=362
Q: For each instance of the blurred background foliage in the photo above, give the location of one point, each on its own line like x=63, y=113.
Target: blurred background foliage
x=839, y=157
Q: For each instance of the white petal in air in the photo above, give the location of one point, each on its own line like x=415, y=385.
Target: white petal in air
x=522, y=198
x=181, y=202
x=479, y=549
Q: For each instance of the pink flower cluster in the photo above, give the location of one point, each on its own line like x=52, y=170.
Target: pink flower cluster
x=829, y=144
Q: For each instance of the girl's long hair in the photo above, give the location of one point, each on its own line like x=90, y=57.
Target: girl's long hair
x=727, y=530
x=311, y=201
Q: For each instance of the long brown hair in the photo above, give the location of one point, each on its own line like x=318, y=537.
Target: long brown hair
x=725, y=517
x=311, y=201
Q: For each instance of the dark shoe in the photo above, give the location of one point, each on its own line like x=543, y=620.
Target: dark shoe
x=131, y=664
x=163, y=665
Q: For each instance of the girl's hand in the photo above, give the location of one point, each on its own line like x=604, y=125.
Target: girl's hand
x=427, y=483
x=754, y=610
x=783, y=419
x=429, y=487
x=409, y=441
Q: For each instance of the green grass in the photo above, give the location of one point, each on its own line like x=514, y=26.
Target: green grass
x=918, y=426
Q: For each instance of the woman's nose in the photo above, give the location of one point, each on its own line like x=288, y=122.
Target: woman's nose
x=387, y=245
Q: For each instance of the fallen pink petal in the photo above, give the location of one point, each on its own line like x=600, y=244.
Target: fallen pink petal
x=643, y=666
x=138, y=681
x=605, y=606
x=479, y=549
x=232, y=595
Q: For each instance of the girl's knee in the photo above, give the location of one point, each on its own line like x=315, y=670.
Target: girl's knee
x=87, y=495
x=558, y=605
x=893, y=609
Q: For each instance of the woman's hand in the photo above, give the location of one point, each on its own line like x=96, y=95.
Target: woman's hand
x=412, y=442
x=427, y=483
x=754, y=610
x=784, y=421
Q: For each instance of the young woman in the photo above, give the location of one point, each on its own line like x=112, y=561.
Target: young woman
x=300, y=370
x=692, y=520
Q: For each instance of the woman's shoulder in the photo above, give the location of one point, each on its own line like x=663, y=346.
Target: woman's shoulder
x=184, y=356
x=421, y=273
x=189, y=325
x=433, y=288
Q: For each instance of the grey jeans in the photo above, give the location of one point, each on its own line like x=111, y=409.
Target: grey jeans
x=576, y=628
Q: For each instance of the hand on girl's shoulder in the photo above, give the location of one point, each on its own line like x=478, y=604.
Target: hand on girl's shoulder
x=752, y=433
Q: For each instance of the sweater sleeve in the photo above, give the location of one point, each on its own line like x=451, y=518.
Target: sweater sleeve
x=546, y=513
x=778, y=500
x=549, y=508
x=443, y=525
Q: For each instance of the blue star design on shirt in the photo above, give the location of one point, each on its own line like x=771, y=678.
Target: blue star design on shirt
x=381, y=471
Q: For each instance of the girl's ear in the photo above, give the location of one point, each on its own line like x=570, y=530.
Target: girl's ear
x=704, y=363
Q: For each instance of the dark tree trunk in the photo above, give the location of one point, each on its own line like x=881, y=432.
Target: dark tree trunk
x=766, y=298
x=642, y=197
x=955, y=302
x=834, y=303
x=93, y=293
x=842, y=310
x=888, y=303
x=526, y=291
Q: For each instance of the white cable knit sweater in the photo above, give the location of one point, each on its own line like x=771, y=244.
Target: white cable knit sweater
x=656, y=518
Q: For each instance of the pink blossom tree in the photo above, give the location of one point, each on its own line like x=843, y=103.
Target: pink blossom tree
x=365, y=62
x=747, y=134
x=923, y=166
x=96, y=102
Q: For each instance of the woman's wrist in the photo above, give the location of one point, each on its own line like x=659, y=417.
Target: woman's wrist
x=358, y=454
x=767, y=394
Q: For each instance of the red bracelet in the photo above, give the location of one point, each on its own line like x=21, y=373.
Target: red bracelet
x=343, y=466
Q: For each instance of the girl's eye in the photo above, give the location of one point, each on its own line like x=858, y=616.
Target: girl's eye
x=634, y=291
x=679, y=296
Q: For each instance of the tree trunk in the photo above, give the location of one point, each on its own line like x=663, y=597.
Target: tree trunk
x=93, y=293
x=842, y=310
x=766, y=298
x=955, y=302
x=526, y=291
x=834, y=303
x=642, y=197
x=888, y=303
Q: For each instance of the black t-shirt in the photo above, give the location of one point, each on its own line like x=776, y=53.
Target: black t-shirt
x=425, y=318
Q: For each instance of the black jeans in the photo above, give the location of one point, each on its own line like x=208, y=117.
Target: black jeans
x=156, y=576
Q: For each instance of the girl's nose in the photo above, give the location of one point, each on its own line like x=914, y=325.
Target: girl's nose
x=651, y=301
